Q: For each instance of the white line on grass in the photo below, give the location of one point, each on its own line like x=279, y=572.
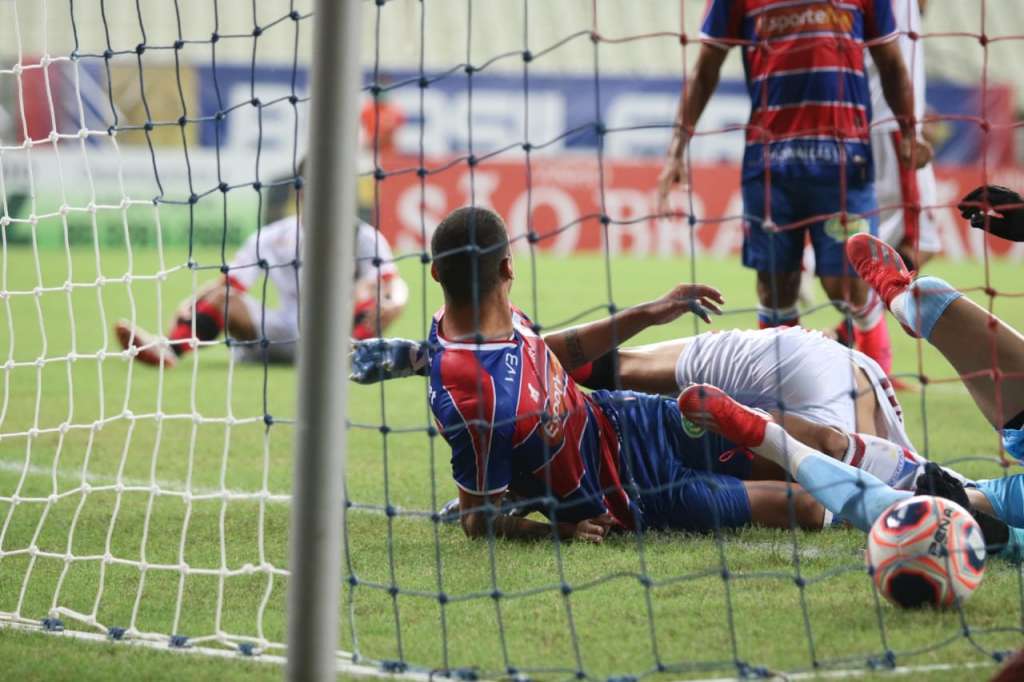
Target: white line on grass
x=346, y=667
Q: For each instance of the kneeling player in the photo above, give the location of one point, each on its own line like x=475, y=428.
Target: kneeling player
x=517, y=422
x=236, y=302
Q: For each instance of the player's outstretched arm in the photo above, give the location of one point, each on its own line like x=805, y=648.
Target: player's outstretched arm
x=584, y=343
x=479, y=520
x=995, y=209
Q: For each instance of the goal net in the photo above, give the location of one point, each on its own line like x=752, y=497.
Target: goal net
x=143, y=142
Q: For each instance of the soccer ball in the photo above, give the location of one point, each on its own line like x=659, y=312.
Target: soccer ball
x=926, y=551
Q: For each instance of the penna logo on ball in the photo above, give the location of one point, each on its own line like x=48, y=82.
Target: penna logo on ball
x=938, y=546
x=818, y=18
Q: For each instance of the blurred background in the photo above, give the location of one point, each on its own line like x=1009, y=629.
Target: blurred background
x=231, y=111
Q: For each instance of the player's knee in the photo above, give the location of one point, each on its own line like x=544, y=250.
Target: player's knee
x=707, y=503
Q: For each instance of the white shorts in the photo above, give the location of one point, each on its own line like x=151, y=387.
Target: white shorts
x=280, y=327
x=890, y=180
x=790, y=369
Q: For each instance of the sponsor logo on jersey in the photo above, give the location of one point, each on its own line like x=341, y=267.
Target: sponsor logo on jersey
x=691, y=429
x=821, y=17
x=854, y=223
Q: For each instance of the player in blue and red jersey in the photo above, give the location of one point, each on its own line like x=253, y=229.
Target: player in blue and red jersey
x=517, y=422
x=808, y=165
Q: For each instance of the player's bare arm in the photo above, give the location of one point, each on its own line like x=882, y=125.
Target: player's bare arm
x=696, y=93
x=581, y=344
x=477, y=522
x=899, y=94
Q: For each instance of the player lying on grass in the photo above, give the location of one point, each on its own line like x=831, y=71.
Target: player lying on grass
x=850, y=494
x=986, y=352
x=789, y=372
x=518, y=424
x=235, y=302
x=516, y=421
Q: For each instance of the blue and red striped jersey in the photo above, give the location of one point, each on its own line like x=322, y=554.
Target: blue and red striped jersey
x=804, y=65
x=515, y=419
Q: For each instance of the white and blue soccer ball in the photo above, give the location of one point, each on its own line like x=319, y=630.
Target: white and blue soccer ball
x=926, y=551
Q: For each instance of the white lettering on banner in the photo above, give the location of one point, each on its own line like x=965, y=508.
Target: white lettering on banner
x=674, y=236
x=497, y=122
x=566, y=212
x=478, y=187
x=270, y=128
x=626, y=205
x=411, y=225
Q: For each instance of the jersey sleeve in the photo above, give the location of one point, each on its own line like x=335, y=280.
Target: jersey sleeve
x=372, y=247
x=879, y=21
x=723, y=22
x=467, y=408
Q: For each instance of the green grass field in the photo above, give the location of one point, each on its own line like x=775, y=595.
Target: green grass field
x=146, y=435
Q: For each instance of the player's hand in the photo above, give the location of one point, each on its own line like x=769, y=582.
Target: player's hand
x=375, y=360
x=1007, y=221
x=915, y=151
x=698, y=299
x=672, y=174
x=595, y=529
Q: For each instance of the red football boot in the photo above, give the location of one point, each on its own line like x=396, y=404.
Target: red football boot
x=713, y=409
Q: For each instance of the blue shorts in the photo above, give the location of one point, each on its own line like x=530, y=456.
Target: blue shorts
x=1006, y=495
x=682, y=477
x=793, y=202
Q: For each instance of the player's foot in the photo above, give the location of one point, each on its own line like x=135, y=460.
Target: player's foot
x=151, y=349
x=713, y=409
x=880, y=265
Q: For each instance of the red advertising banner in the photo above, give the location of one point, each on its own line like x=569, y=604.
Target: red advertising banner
x=560, y=200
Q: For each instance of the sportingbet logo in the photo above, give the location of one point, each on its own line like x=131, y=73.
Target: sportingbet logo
x=820, y=17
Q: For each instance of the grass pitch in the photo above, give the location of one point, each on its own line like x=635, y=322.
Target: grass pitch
x=790, y=600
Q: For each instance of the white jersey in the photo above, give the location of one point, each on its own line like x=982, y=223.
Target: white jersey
x=279, y=244
x=793, y=369
x=908, y=19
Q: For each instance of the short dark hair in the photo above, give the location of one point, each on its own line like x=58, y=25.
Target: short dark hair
x=468, y=247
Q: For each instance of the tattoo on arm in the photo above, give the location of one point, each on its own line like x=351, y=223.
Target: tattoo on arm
x=575, y=348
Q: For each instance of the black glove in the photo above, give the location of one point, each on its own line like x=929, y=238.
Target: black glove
x=1007, y=221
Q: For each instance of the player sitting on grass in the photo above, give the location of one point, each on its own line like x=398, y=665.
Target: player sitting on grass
x=236, y=301
x=850, y=494
x=986, y=352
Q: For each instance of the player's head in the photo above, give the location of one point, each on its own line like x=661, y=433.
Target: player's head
x=470, y=252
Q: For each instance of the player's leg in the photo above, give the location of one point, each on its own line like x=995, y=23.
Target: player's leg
x=838, y=278
x=216, y=306
x=986, y=352
x=851, y=494
x=775, y=255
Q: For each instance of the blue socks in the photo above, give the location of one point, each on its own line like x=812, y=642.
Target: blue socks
x=853, y=495
x=921, y=306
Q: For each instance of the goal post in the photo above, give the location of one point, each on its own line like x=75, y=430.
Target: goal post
x=326, y=323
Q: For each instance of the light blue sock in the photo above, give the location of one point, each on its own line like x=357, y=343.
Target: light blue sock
x=923, y=304
x=853, y=495
x=1013, y=443
x=1014, y=550
x=1006, y=495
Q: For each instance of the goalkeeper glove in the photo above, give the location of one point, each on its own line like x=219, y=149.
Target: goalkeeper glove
x=1009, y=224
x=375, y=360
